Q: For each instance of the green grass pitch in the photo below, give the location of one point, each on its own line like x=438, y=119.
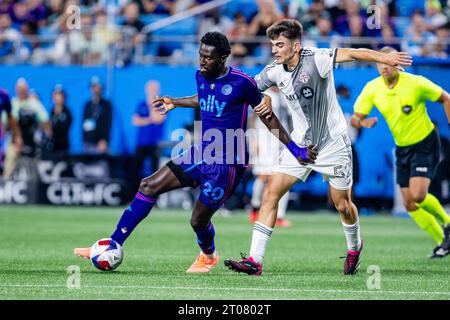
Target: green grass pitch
x=302, y=262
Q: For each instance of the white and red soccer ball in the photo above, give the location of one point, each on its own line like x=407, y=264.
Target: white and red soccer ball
x=106, y=254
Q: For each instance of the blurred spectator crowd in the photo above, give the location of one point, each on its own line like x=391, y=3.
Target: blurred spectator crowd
x=45, y=135
x=92, y=32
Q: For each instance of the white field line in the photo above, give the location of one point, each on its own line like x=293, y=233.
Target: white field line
x=229, y=288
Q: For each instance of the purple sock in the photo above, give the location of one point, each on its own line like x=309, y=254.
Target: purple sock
x=135, y=213
x=205, y=239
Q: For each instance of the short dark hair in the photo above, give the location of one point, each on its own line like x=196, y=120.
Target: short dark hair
x=289, y=28
x=217, y=40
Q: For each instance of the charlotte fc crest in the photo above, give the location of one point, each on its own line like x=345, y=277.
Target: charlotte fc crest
x=227, y=89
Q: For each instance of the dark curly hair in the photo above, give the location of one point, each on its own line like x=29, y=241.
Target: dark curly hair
x=217, y=40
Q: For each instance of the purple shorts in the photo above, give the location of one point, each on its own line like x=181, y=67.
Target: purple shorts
x=217, y=181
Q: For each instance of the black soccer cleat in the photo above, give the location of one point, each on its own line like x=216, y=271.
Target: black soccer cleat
x=438, y=253
x=351, y=263
x=246, y=265
x=446, y=243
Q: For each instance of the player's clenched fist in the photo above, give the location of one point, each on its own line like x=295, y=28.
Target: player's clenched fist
x=304, y=155
x=309, y=156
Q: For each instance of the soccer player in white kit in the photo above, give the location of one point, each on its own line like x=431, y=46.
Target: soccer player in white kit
x=305, y=77
x=265, y=151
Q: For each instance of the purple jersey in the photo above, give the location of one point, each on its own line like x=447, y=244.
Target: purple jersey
x=223, y=104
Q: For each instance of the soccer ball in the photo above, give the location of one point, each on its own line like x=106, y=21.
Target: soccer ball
x=106, y=254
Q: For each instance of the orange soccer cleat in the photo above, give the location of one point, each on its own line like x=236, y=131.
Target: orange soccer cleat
x=253, y=215
x=283, y=223
x=203, y=264
x=82, y=252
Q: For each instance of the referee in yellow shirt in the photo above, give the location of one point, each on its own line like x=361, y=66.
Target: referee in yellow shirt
x=400, y=97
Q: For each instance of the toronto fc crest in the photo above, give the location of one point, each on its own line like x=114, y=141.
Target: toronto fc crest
x=304, y=77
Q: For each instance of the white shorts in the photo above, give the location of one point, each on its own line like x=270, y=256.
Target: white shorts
x=334, y=162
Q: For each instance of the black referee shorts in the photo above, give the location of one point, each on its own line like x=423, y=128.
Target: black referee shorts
x=418, y=160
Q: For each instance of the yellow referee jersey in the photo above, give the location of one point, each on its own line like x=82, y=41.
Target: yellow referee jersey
x=403, y=106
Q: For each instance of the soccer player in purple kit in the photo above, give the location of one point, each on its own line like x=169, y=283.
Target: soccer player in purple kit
x=223, y=96
x=5, y=106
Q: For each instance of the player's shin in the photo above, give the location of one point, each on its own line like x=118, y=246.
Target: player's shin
x=258, y=189
x=260, y=239
x=205, y=239
x=282, y=206
x=352, y=235
x=352, y=230
x=139, y=209
x=428, y=223
x=433, y=206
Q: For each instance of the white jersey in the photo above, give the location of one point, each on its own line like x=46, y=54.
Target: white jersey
x=310, y=94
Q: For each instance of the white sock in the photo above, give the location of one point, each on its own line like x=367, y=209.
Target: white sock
x=352, y=235
x=282, y=206
x=211, y=255
x=258, y=189
x=260, y=238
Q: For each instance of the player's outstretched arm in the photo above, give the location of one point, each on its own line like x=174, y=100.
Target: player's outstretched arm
x=445, y=100
x=166, y=103
x=394, y=59
x=359, y=121
x=304, y=155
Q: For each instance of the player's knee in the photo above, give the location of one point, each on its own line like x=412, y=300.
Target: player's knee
x=343, y=206
x=195, y=223
x=418, y=196
x=198, y=224
x=271, y=198
x=410, y=206
x=149, y=187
